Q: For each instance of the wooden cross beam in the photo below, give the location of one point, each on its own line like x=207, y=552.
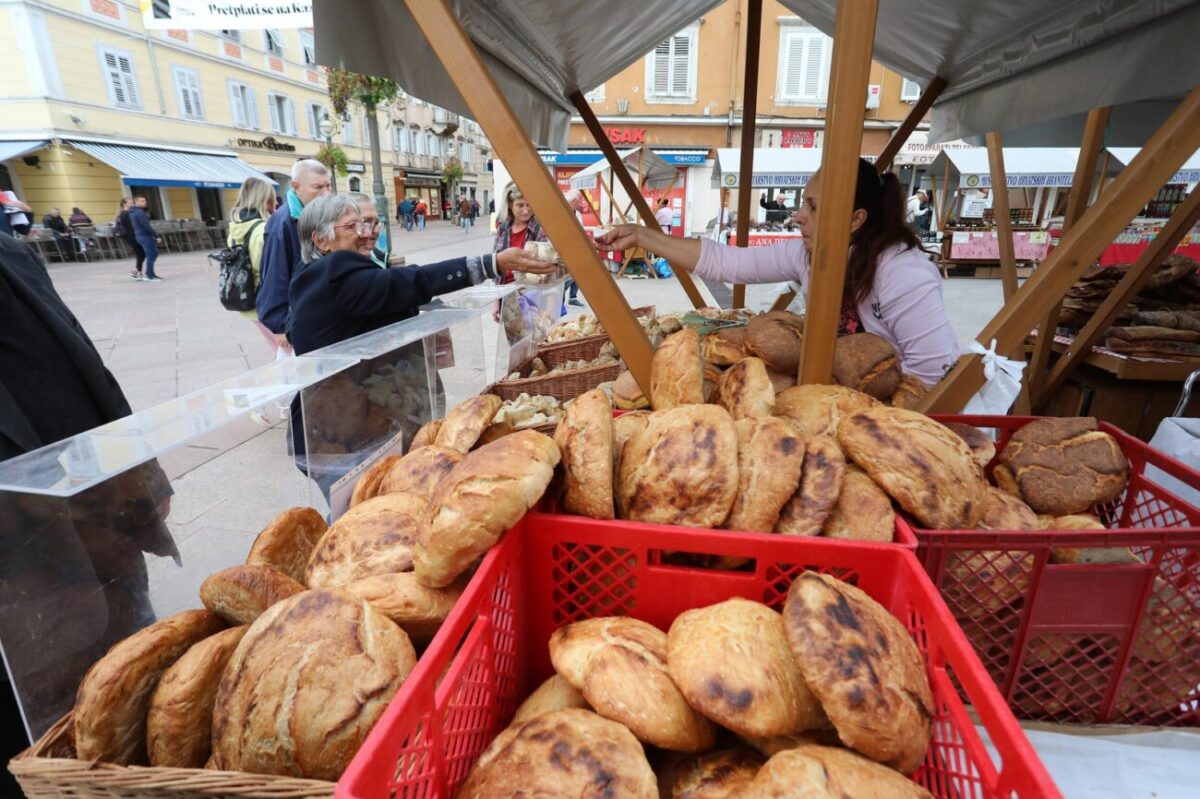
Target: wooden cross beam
x=1003, y=215
x=749, y=123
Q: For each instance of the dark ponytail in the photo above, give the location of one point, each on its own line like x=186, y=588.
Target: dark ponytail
x=885, y=226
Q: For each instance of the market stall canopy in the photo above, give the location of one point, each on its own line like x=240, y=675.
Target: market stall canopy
x=15, y=149
x=1023, y=166
x=774, y=167
x=1034, y=69
x=1188, y=173
x=539, y=52
x=151, y=166
x=653, y=172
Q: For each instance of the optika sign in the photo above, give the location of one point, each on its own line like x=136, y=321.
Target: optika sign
x=626, y=135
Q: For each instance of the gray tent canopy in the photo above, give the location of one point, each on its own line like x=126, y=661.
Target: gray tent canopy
x=653, y=171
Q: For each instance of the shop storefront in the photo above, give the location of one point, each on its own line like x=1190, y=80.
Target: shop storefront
x=420, y=185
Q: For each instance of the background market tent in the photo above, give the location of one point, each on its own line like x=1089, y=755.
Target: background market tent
x=1189, y=173
x=1023, y=166
x=652, y=171
x=777, y=168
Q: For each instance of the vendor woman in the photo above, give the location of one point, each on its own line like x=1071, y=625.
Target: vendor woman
x=892, y=289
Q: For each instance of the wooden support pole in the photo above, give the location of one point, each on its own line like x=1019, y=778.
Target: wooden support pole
x=631, y=188
x=1002, y=215
x=884, y=162
x=749, y=120
x=1161, y=246
x=454, y=48
x=853, y=42
x=1099, y=187
x=1166, y=151
x=946, y=198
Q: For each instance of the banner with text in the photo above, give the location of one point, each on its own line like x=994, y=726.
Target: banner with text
x=227, y=14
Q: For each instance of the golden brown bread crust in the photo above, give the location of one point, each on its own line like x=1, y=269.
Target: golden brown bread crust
x=306, y=684
x=1072, y=521
x=721, y=774
x=627, y=394
x=919, y=463
x=179, y=723
x=492, y=432
x=769, y=747
x=554, y=694
x=287, y=542
x=417, y=609
x=823, y=772
x=572, y=753
x=863, y=511
x=820, y=486
x=780, y=381
x=376, y=537
x=732, y=663
x=369, y=481
x=776, y=337
x=818, y=410
x=426, y=435
x=420, y=472
x=745, y=390
x=466, y=421
x=1003, y=511
x=114, y=696
x=770, y=456
x=585, y=442
x=677, y=371
x=983, y=449
x=725, y=347
x=620, y=666
x=868, y=363
x=909, y=393
x=863, y=667
x=681, y=469
x=240, y=594
x=487, y=493
x=624, y=426
x=1094, y=556
x=1063, y=466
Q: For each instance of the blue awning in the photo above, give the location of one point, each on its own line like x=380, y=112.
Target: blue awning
x=149, y=166
x=16, y=149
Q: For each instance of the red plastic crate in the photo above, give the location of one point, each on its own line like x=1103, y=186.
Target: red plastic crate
x=552, y=570
x=1084, y=644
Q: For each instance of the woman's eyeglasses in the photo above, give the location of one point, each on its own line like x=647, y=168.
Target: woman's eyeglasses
x=360, y=227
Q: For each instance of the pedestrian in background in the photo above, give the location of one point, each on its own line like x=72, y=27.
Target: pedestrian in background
x=664, y=216
x=123, y=229
x=248, y=227
x=63, y=236
x=79, y=218
x=420, y=211
x=406, y=213
x=464, y=213
x=147, y=238
x=517, y=226
x=15, y=216
x=474, y=211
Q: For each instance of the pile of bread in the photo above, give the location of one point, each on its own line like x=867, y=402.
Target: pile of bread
x=528, y=410
x=829, y=698
x=1174, y=287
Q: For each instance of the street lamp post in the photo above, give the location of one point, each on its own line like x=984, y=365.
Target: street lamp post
x=381, y=203
x=328, y=128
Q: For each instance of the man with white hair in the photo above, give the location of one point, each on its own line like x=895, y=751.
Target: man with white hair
x=281, y=246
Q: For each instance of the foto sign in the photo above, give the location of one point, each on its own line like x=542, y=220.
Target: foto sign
x=226, y=14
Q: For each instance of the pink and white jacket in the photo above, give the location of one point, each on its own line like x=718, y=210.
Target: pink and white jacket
x=904, y=306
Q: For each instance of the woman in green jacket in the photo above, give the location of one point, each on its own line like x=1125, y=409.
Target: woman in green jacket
x=248, y=221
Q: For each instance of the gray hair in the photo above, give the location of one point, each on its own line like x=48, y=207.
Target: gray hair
x=318, y=218
x=361, y=198
x=308, y=165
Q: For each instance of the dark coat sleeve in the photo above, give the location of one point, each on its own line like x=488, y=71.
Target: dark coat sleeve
x=278, y=260
x=368, y=291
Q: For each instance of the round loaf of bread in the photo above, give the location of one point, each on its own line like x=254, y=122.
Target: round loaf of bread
x=776, y=337
x=306, y=684
x=770, y=456
x=619, y=664
x=114, y=697
x=725, y=347
x=820, y=486
x=554, y=694
x=769, y=747
x=745, y=390
x=818, y=410
x=420, y=472
x=909, y=393
x=481, y=498
x=681, y=469
x=1072, y=521
x=585, y=442
x=627, y=394
x=863, y=511
x=286, y=544
x=823, y=772
x=418, y=609
x=983, y=449
x=1063, y=466
x=240, y=594
x=426, y=435
x=920, y=463
x=376, y=537
x=179, y=723
x=863, y=667
x=721, y=774
x=732, y=663
x=868, y=363
x=677, y=371
x=466, y=421
x=369, y=481
x=562, y=753
x=1003, y=511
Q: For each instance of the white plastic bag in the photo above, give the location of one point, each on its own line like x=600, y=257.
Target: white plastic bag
x=1003, y=376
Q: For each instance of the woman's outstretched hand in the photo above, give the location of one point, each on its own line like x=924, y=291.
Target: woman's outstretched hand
x=515, y=259
x=621, y=237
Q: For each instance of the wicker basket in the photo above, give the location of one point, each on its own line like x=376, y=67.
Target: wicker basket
x=49, y=769
x=583, y=349
x=564, y=386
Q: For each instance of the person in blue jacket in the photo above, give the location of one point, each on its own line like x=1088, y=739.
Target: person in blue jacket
x=145, y=235
x=281, y=246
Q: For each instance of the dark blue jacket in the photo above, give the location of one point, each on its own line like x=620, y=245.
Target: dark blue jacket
x=140, y=222
x=281, y=254
x=344, y=294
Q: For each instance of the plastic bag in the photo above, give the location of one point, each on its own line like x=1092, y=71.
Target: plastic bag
x=1003, y=376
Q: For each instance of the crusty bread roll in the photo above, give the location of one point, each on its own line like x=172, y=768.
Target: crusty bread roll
x=732, y=663
x=920, y=463
x=492, y=432
x=1072, y=521
x=780, y=381
x=776, y=337
x=712, y=377
x=426, y=435
x=863, y=511
x=983, y=448
x=418, y=609
x=466, y=421
x=781, y=743
x=745, y=390
x=822, y=772
x=375, y=537
x=1062, y=466
x=624, y=426
x=863, y=667
x=909, y=393
x=770, y=456
x=818, y=410
x=420, y=472
x=286, y=544
x=1003, y=511
x=681, y=469
x=564, y=753
x=721, y=774
x=240, y=594
x=487, y=493
x=179, y=722
x=627, y=394
x=585, y=442
x=554, y=694
x=1094, y=556
x=620, y=666
x=868, y=363
x=306, y=684
x=677, y=371
x=820, y=486
x=114, y=696
x=369, y=481
x=724, y=347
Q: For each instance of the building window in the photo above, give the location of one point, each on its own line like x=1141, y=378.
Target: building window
x=418, y=142
x=122, y=83
x=431, y=144
x=187, y=93
x=273, y=41
x=401, y=139
x=910, y=90
x=313, y=113
x=243, y=105
x=356, y=184
x=283, y=114
x=805, y=55
x=671, y=68
x=348, y=130
x=232, y=35
x=308, y=45
x=595, y=95
x=366, y=128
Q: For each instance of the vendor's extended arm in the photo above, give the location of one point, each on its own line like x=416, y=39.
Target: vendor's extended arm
x=713, y=261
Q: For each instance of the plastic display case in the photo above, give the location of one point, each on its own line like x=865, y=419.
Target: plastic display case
x=520, y=318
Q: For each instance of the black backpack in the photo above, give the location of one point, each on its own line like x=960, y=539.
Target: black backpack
x=235, y=283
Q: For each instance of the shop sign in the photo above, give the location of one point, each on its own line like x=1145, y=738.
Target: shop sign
x=799, y=137
x=1019, y=181
x=356, y=166
x=626, y=135
x=269, y=143
x=226, y=14
x=730, y=180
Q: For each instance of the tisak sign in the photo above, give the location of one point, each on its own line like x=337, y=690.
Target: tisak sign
x=626, y=135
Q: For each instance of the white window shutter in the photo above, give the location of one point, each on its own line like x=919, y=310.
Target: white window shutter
x=182, y=93
x=197, y=101
x=273, y=110
x=680, y=64
x=793, y=66
x=312, y=121
x=910, y=90
x=813, y=87
x=348, y=131
x=236, y=106
x=251, y=107
x=290, y=108
x=131, y=92
x=661, y=75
